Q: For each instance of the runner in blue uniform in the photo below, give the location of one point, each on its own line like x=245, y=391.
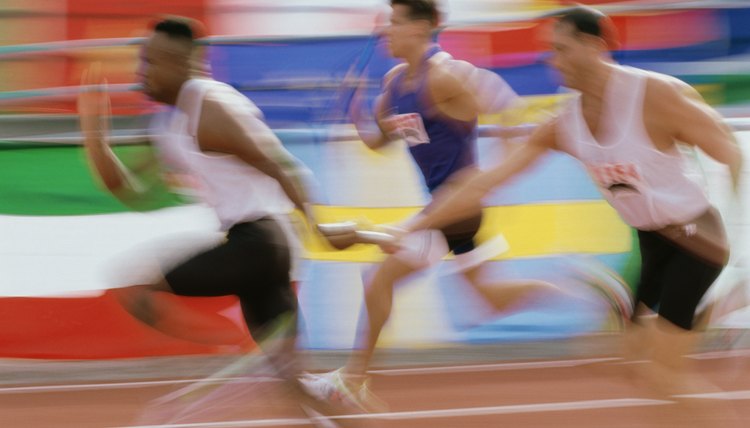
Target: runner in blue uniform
x=428, y=102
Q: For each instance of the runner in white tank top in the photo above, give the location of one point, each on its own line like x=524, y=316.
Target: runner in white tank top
x=648, y=187
x=625, y=126
x=236, y=190
x=218, y=137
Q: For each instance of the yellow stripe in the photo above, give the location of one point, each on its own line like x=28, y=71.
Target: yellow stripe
x=714, y=94
x=533, y=230
x=534, y=109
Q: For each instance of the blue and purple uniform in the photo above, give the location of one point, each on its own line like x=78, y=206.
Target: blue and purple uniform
x=439, y=144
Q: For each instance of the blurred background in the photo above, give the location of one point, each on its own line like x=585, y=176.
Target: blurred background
x=64, y=241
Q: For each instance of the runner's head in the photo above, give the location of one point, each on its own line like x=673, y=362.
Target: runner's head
x=412, y=24
x=167, y=59
x=581, y=39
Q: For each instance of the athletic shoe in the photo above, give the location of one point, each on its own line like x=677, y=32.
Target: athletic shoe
x=334, y=388
x=608, y=285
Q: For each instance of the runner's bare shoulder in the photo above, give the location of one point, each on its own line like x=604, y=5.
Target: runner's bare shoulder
x=662, y=89
x=392, y=73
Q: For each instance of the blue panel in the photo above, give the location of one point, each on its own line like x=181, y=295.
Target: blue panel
x=535, y=318
x=555, y=177
x=739, y=30
x=268, y=71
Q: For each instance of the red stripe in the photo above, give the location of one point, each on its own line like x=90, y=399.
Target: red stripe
x=98, y=327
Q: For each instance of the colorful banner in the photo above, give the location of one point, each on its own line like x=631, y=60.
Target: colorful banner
x=66, y=242
x=97, y=244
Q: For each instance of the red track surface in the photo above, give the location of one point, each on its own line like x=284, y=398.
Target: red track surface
x=549, y=394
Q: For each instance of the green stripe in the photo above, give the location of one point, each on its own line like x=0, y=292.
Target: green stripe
x=57, y=181
x=726, y=89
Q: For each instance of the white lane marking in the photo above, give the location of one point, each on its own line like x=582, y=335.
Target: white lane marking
x=229, y=424
x=717, y=355
x=722, y=395
x=515, y=408
x=493, y=367
x=438, y=413
x=384, y=372
x=127, y=385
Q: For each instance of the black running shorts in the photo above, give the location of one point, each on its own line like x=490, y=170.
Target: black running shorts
x=673, y=280
x=460, y=235
x=253, y=264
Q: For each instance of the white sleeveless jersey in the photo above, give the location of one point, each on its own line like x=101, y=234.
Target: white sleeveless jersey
x=235, y=190
x=649, y=188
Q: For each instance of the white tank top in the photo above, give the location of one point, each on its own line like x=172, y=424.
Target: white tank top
x=649, y=188
x=235, y=190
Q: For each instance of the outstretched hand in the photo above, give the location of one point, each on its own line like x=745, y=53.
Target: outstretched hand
x=94, y=105
x=345, y=234
x=339, y=235
x=391, y=238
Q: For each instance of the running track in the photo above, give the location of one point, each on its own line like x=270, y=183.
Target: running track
x=576, y=393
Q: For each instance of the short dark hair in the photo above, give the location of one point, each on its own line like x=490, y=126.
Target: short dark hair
x=421, y=9
x=177, y=28
x=587, y=20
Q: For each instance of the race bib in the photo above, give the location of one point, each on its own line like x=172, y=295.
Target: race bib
x=617, y=177
x=408, y=127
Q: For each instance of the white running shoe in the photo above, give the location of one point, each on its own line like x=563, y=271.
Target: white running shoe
x=608, y=285
x=332, y=387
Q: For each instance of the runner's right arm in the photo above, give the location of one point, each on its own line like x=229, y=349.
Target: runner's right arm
x=378, y=136
x=464, y=199
x=94, y=110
